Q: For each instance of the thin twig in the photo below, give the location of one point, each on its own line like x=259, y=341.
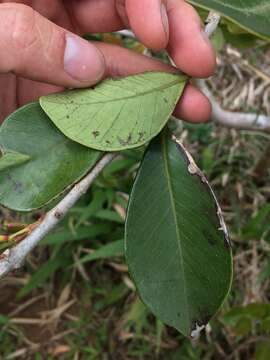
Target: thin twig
x=15, y=256
x=231, y=119
x=212, y=22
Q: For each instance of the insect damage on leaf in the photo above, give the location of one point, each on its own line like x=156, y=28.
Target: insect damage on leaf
x=193, y=169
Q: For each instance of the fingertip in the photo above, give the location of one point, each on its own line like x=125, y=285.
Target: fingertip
x=193, y=106
x=149, y=21
x=197, y=58
x=189, y=46
x=83, y=61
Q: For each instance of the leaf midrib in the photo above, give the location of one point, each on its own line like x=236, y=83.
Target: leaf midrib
x=160, y=88
x=168, y=176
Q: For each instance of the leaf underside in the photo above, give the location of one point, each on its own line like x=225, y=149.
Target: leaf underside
x=176, y=244
x=117, y=114
x=53, y=162
x=252, y=15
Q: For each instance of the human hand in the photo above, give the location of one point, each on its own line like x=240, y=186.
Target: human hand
x=41, y=52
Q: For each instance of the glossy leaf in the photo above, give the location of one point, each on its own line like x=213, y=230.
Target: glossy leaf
x=252, y=15
x=9, y=159
x=54, y=162
x=176, y=243
x=118, y=113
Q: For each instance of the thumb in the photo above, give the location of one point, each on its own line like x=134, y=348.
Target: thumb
x=33, y=47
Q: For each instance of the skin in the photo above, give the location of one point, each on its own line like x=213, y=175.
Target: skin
x=33, y=38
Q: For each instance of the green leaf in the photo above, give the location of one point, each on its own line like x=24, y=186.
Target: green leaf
x=176, y=243
x=115, y=248
x=54, y=164
x=252, y=15
x=118, y=113
x=9, y=159
x=241, y=41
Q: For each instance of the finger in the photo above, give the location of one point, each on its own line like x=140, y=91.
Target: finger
x=29, y=90
x=147, y=18
x=8, y=98
x=37, y=49
x=193, y=106
x=189, y=47
x=123, y=62
x=16, y=92
x=50, y=9
x=174, y=22
x=96, y=16
x=149, y=21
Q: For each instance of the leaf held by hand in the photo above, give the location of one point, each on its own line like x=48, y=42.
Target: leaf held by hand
x=117, y=114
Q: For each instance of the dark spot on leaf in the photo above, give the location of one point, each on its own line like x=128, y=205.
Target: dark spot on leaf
x=16, y=185
x=141, y=135
x=127, y=141
x=67, y=116
x=108, y=142
x=96, y=133
x=165, y=100
x=211, y=239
